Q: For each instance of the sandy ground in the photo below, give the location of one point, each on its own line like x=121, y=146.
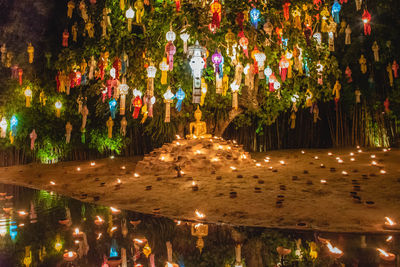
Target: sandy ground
x=307, y=202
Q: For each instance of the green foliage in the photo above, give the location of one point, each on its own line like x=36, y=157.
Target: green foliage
x=100, y=141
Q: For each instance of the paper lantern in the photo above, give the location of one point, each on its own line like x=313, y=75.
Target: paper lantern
x=168, y=99
x=366, y=18
x=13, y=128
x=216, y=9
x=203, y=91
x=244, y=42
x=151, y=74
x=184, y=37
x=348, y=75
x=164, y=67
x=197, y=62
x=217, y=59
x=286, y=11
x=180, y=96
x=28, y=96
x=65, y=37
x=318, y=37
x=320, y=69
x=110, y=124
x=123, y=91
x=139, y=6
x=58, y=106
x=70, y=6
x=170, y=48
x=113, y=107
x=267, y=73
x=129, y=14
x=255, y=16
x=235, y=90
x=260, y=58
x=68, y=130
x=336, y=7
x=3, y=126
x=136, y=102
x=283, y=67
x=33, y=137
x=124, y=123
x=85, y=113
x=230, y=40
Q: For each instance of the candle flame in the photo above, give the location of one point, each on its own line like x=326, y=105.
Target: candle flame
x=92, y=163
x=114, y=209
x=136, y=175
x=52, y=183
x=78, y=169
x=329, y=153
x=233, y=168
x=351, y=154
x=373, y=156
x=70, y=254
x=258, y=164
x=178, y=137
x=119, y=181
x=383, y=171
x=323, y=181
x=193, y=183
x=113, y=229
x=76, y=231
x=352, y=159
x=199, y=214
x=332, y=249
x=99, y=236
x=390, y=238
x=99, y=219
x=384, y=253
x=282, y=162
x=138, y=241
x=389, y=221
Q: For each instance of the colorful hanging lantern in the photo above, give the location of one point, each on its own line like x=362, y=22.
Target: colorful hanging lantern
x=358, y=4
x=168, y=99
x=197, y=62
x=113, y=107
x=184, y=37
x=203, y=91
x=147, y=250
x=28, y=96
x=170, y=48
x=164, y=67
x=217, y=60
x=255, y=17
x=33, y=137
x=123, y=91
x=180, y=96
x=58, y=106
x=124, y=123
x=267, y=73
x=286, y=11
x=13, y=128
x=294, y=99
x=268, y=29
x=68, y=130
x=178, y=5
x=336, y=92
x=65, y=37
x=318, y=38
x=149, y=100
x=139, y=6
x=260, y=58
x=235, y=90
x=110, y=124
x=129, y=14
x=336, y=7
x=283, y=67
x=395, y=68
x=230, y=40
x=20, y=72
x=297, y=18
x=151, y=74
x=320, y=69
x=363, y=64
x=244, y=42
x=216, y=9
x=31, y=51
x=3, y=126
x=136, y=102
x=348, y=75
x=70, y=6
x=366, y=18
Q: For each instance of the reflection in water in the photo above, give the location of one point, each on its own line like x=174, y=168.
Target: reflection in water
x=40, y=228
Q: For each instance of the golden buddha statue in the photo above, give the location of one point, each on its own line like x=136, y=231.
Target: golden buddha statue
x=198, y=129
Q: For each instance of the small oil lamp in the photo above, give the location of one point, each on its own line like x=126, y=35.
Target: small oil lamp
x=386, y=256
x=98, y=221
x=115, y=211
x=70, y=256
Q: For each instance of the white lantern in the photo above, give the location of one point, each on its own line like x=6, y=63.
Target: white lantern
x=3, y=126
x=151, y=74
x=112, y=73
x=185, y=37
x=170, y=36
x=260, y=58
x=168, y=99
x=123, y=91
x=197, y=54
x=318, y=37
x=235, y=89
x=129, y=14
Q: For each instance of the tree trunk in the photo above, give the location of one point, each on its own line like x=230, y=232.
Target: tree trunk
x=222, y=125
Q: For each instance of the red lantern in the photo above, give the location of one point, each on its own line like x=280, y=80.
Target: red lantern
x=20, y=71
x=283, y=67
x=366, y=18
x=137, y=103
x=286, y=10
x=178, y=5
x=240, y=20
x=216, y=11
x=317, y=4
x=65, y=37
x=244, y=42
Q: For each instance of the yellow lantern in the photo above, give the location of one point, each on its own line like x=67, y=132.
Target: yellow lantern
x=58, y=245
x=199, y=230
x=58, y=106
x=203, y=91
x=164, y=67
x=129, y=14
x=28, y=96
x=147, y=250
x=28, y=256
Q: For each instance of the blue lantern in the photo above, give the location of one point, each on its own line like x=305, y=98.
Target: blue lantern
x=336, y=7
x=113, y=107
x=180, y=95
x=113, y=249
x=13, y=125
x=255, y=16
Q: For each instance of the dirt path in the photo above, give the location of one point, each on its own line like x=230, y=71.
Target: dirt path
x=307, y=204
